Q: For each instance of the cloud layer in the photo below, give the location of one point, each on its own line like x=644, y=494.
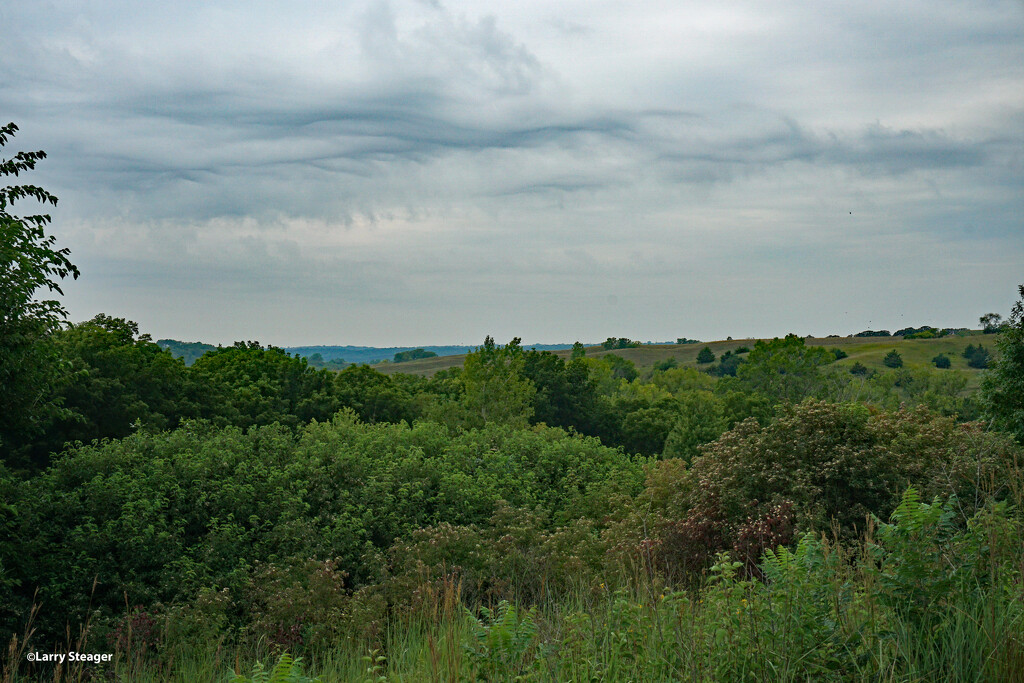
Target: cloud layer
x=420, y=172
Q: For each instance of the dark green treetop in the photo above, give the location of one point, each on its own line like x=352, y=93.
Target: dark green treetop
x=1003, y=386
x=29, y=262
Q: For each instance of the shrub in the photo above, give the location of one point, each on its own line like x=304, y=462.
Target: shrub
x=163, y=516
x=839, y=353
x=666, y=364
x=286, y=670
x=858, y=368
x=706, y=355
x=893, y=360
x=501, y=642
x=977, y=356
x=941, y=361
x=831, y=462
x=728, y=365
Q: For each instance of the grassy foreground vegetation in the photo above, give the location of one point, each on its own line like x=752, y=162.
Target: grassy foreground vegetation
x=502, y=552
x=775, y=517
x=774, y=510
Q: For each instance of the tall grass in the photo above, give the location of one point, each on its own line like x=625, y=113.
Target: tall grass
x=820, y=612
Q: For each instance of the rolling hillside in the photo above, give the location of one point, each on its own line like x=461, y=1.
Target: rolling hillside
x=869, y=351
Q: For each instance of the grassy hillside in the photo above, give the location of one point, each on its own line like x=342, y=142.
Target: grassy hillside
x=867, y=350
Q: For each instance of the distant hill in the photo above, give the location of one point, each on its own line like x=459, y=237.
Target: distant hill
x=869, y=351
x=335, y=357
x=188, y=351
x=376, y=354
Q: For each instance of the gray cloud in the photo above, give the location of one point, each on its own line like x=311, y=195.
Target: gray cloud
x=395, y=155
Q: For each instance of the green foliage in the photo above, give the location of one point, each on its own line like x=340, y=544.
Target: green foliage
x=839, y=353
x=376, y=397
x=639, y=424
x=858, y=368
x=565, y=394
x=941, y=361
x=414, y=354
x=255, y=386
x=784, y=369
x=29, y=366
x=702, y=420
x=667, y=364
x=684, y=340
x=286, y=670
x=923, y=332
x=728, y=365
x=578, y=351
x=610, y=373
x=496, y=390
x=119, y=378
x=187, y=351
x=620, y=343
x=835, y=464
x=893, y=360
x=162, y=517
x=944, y=392
x=1003, y=386
x=913, y=569
x=991, y=323
x=706, y=355
x=500, y=642
x=680, y=380
x=977, y=356
x=873, y=333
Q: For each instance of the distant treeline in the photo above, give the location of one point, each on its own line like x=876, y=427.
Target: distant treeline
x=187, y=351
x=923, y=332
x=336, y=357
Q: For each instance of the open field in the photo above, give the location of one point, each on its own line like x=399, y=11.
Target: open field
x=867, y=350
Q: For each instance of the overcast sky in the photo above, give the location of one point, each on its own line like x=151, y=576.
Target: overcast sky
x=425, y=172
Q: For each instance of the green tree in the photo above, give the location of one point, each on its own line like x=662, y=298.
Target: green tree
x=117, y=378
x=620, y=343
x=990, y=322
x=496, y=390
x=977, y=356
x=29, y=367
x=701, y=420
x=706, y=355
x=253, y=385
x=578, y=351
x=728, y=365
x=1003, y=386
x=893, y=360
x=640, y=425
x=566, y=396
x=374, y=396
x=784, y=369
x=941, y=361
x=413, y=354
